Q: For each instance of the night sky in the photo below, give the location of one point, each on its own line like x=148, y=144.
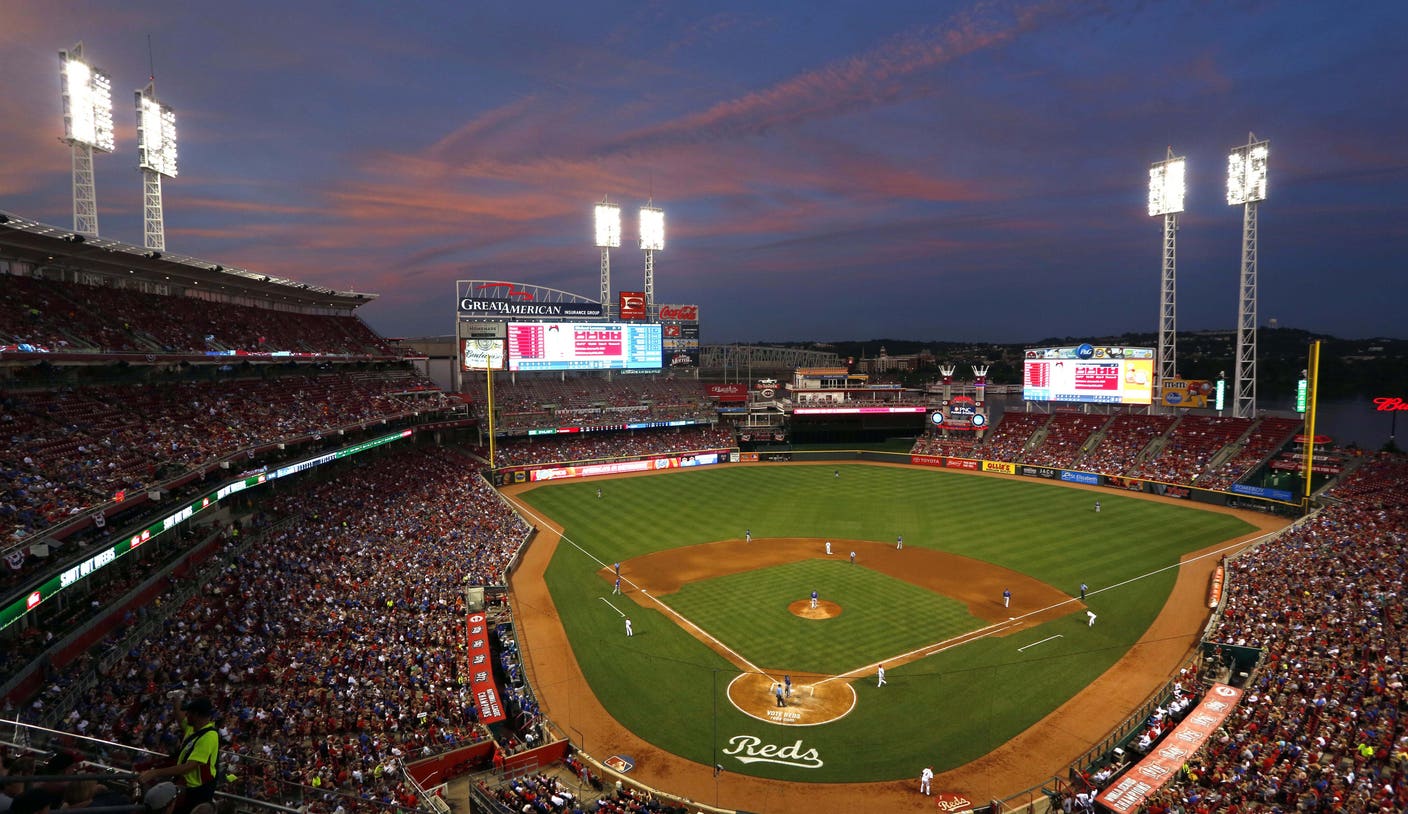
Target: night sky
x=921, y=170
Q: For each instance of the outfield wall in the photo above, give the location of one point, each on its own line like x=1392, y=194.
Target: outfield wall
x=1275, y=501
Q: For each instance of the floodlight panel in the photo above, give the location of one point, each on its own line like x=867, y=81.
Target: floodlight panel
x=1167, y=186
x=608, y=226
x=156, y=136
x=88, y=103
x=652, y=228
x=1246, y=173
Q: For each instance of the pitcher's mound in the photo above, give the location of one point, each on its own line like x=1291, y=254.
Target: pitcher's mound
x=823, y=609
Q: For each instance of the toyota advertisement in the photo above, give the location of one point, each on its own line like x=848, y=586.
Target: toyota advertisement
x=1089, y=374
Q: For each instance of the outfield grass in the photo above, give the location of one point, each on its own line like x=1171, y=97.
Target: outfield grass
x=749, y=611
x=948, y=708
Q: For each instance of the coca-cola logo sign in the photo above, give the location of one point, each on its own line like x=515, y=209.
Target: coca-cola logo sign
x=1390, y=404
x=679, y=313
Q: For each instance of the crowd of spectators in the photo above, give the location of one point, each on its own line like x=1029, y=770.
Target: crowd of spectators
x=334, y=647
x=79, y=317
x=1128, y=435
x=70, y=449
x=1065, y=436
x=597, y=446
x=1268, y=435
x=1189, y=448
x=1321, y=726
x=1009, y=438
x=957, y=446
x=529, y=400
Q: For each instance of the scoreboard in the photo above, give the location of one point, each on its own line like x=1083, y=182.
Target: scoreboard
x=583, y=346
x=1089, y=374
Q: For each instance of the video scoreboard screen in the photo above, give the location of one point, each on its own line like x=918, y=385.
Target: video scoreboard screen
x=583, y=346
x=1089, y=374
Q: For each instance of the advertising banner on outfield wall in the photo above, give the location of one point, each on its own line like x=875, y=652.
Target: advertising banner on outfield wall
x=1135, y=786
x=1038, y=472
x=481, y=671
x=962, y=463
x=1000, y=466
x=648, y=465
x=1089, y=478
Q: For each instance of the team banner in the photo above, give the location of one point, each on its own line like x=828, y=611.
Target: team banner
x=481, y=672
x=727, y=392
x=632, y=305
x=1134, y=787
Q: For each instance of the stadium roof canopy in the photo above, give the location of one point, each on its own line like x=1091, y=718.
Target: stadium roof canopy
x=43, y=244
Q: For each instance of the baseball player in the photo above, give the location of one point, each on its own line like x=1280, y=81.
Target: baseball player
x=828, y=548
x=880, y=672
x=813, y=600
x=853, y=558
x=924, y=778
x=1006, y=598
x=899, y=543
x=598, y=493
x=629, y=632
x=1097, y=507
x=747, y=535
x=1091, y=622
x=787, y=679
x=616, y=589
x=836, y=472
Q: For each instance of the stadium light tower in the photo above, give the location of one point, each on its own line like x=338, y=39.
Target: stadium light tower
x=156, y=156
x=1166, y=191
x=652, y=240
x=87, y=98
x=608, y=237
x=1246, y=185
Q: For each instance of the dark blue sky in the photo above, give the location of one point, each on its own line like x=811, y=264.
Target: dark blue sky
x=921, y=170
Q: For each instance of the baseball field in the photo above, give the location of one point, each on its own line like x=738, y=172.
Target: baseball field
x=719, y=621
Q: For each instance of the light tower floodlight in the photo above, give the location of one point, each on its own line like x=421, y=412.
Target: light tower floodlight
x=156, y=156
x=652, y=240
x=1246, y=172
x=1246, y=185
x=608, y=237
x=87, y=104
x=156, y=133
x=1166, y=192
x=1166, y=185
x=608, y=226
x=652, y=228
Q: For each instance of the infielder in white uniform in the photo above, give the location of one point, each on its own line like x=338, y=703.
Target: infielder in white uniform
x=629, y=632
x=1090, y=614
x=881, y=674
x=924, y=778
x=828, y=548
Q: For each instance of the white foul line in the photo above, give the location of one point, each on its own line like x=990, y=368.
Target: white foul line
x=1043, y=641
x=613, y=607
x=524, y=509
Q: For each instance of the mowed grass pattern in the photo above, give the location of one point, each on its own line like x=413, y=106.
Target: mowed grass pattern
x=750, y=613
x=948, y=708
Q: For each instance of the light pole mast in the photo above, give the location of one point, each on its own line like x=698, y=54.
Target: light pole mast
x=1246, y=185
x=1166, y=192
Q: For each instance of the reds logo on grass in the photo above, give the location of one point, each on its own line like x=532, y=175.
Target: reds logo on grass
x=748, y=749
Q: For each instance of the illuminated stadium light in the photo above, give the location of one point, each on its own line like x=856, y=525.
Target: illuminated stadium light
x=652, y=229
x=87, y=97
x=1166, y=186
x=1246, y=173
x=1246, y=187
x=156, y=134
x=608, y=226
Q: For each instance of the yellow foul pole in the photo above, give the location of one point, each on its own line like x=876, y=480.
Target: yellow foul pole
x=1314, y=374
